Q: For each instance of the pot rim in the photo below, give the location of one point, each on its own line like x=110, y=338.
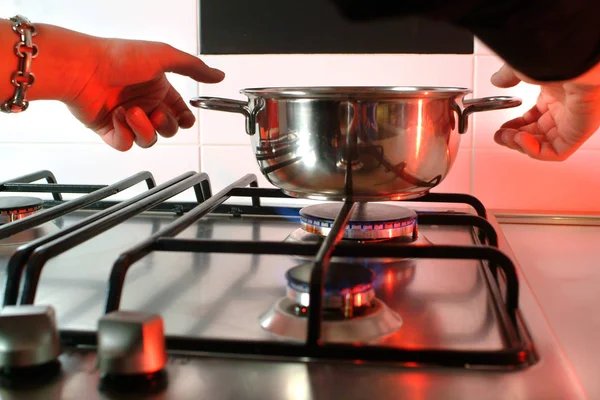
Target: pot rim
x=358, y=92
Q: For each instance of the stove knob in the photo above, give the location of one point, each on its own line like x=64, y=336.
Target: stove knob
x=29, y=345
x=131, y=352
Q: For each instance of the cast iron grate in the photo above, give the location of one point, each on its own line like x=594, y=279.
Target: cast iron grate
x=30, y=259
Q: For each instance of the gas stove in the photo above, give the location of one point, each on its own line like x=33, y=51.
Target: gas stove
x=244, y=294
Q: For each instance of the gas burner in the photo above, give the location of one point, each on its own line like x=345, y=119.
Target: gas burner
x=348, y=287
x=13, y=208
x=368, y=221
x=393, y=224
x=350, y=310
x=301, y=236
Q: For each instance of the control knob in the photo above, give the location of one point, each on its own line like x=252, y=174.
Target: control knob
x=29, y=345
x=132, y=352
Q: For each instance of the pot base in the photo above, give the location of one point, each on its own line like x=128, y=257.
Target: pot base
x=356, y=199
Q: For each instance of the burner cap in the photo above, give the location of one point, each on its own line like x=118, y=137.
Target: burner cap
x=341, y=277
x=368, y=221
x=16, y=207
x=347, y=285
x=18, y=203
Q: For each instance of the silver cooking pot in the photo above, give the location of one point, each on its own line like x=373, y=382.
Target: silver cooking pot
x=356, y=143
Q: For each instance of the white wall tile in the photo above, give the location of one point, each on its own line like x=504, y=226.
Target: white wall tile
x=44, y=122
x=322, y=70
x=98, y=164
x=225, y=164
x=459, y=178
x=507, y=179
x=480, y=48
x=485, y=124
x=174, y=22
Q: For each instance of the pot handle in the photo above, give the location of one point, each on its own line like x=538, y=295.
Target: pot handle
x=485, y=104
x=229, y=105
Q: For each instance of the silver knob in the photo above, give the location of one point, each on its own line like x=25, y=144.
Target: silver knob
x=29, y=346
x=132, y=352
x=131, y=342
x=28, y=336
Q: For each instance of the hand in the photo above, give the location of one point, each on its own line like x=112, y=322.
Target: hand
x=127, y=97
x=565, y=115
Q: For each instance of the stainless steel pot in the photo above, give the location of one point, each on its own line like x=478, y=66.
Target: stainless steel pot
x=358, y=143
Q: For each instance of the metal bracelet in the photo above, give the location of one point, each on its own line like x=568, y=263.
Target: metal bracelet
x=22, y=79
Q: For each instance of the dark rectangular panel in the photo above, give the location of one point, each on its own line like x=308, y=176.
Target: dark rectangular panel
x=315, y=26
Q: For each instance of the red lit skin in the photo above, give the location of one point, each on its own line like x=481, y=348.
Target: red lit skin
x=115, y=87
x=565, y=115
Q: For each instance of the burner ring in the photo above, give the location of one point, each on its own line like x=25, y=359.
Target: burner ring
x=368, y=221
x=300, y=235
x=355, y=299
x=347, y=286
x=13, y=208
x=379, y=322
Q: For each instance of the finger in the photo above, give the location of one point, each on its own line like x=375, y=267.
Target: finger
x=542, y=126
x=505, y=77
x=534, y=128
x=145, y=134
x=506, y=137
x=179, y=62
x=120, y=137
x=164, y=121
x=528, y=144
x=185, y=117
x=530, y=116
x=556, y=150
x=543, y=149
x=545, y=124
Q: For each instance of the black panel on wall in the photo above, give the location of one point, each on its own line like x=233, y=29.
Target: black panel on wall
x=315, y=26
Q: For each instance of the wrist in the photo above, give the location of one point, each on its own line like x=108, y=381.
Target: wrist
x=65, y=61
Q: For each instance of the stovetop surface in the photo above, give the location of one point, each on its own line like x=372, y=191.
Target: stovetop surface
x=223, y=295
x=444, y=304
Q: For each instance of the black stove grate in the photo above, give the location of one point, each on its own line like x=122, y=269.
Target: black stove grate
x=37, y=253
x=32, y=257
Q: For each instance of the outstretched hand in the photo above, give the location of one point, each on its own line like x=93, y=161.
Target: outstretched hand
x=565, y=115
x=127, y=98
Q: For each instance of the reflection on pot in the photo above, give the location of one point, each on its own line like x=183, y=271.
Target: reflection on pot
x=358, y=143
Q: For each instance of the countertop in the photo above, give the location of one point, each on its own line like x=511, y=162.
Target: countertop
x=560, y=259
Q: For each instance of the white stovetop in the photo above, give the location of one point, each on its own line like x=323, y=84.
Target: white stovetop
x=562, y=265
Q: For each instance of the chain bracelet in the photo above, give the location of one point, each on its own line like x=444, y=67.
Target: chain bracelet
x=22, y=79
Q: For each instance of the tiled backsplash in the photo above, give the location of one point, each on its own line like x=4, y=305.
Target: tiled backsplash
x=48, y=137
x=318, y=27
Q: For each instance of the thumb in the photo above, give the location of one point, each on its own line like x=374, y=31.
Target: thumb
x=182, y=63
x=505, y=77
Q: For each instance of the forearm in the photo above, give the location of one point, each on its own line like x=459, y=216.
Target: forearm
x=65, y=61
